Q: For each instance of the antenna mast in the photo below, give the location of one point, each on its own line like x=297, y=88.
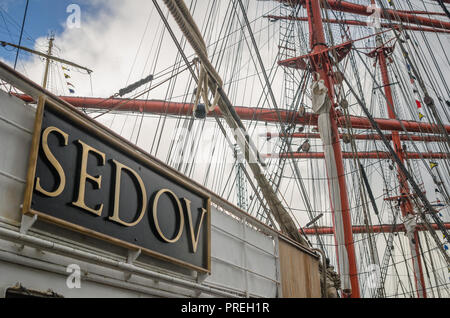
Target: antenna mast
x=47, y=62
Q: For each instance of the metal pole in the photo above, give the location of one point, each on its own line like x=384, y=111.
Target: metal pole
x=362, y=155
x=362, y=23
x=405, y=204
x=430, y=138
x=362, y=229
x=245, y=113
x=321, y=64
x=47, y=63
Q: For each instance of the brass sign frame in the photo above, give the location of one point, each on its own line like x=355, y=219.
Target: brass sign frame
x=121, y=144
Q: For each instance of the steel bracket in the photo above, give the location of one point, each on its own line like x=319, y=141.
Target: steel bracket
x=27, y=223
x=131, y=258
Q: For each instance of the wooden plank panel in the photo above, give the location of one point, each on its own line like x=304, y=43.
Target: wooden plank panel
x=300, y=276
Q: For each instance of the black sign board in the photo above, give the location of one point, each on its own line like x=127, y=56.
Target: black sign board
x=84, y=177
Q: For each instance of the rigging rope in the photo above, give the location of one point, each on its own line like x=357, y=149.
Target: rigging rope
x=21, y=33
x=190, y=30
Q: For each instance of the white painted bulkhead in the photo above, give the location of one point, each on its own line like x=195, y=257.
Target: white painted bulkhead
x=243, y=256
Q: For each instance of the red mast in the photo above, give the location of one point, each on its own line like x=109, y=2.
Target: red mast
x=322, y=66
x=405, y=204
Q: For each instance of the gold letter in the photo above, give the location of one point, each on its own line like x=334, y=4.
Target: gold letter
x=194, y=237
x=155, y=215
x=115, y=217
x=54, y=162
x=84, y=176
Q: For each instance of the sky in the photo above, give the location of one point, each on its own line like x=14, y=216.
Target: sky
x=43, y=18
x=109, y=33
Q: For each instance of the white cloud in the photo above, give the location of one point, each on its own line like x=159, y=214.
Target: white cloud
x=107, y=43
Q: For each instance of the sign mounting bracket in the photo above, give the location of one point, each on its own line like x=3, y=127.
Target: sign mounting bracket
x=27, y=223
x=131, y=258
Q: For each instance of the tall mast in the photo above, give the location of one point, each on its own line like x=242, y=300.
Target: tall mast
x=406, y=206
x=321, y=65
x=48, y=57
x=47, y=63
